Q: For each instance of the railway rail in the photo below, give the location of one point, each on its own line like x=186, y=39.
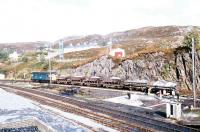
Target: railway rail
x=65, y=106
x=110, y=85
x=129, y=120
x=188, y=102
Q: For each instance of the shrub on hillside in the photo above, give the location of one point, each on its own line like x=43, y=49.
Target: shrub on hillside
x=117, y=60
x=188, y=39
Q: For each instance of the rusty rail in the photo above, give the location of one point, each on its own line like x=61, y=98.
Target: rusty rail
x=141, y=122
x=65, y=106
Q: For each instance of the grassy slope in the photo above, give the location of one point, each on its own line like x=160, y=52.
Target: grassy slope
x=73, y=61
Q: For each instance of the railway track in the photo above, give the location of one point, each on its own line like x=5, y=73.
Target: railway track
x=65, y=106
x=188, y=102
x=141, y=87
x=144, y=121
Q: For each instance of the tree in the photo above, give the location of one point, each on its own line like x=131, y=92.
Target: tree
x=24, y=59
x=3, y=55
x=188, y=39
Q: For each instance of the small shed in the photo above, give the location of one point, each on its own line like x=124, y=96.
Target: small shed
x=173, y=110
x=118, y=52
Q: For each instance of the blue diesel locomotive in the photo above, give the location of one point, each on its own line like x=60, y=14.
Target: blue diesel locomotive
x=43, y=76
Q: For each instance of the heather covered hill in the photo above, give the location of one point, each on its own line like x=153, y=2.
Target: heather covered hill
x=23, y=46
x=165, y=35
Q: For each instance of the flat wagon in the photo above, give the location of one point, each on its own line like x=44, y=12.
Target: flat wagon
x=77, y=80
x=64, y=80
x=93, y=81
x=136, y=84
x=113, y=82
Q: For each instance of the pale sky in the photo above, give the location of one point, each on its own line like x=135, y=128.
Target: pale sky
x=50, y=20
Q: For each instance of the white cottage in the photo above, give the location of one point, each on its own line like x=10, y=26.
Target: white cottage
x=14, y=56
x=118, y=52
x=2, y=76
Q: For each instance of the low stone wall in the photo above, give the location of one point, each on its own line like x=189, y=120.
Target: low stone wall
x=27, y=123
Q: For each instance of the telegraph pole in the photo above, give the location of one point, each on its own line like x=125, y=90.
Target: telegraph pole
x=110, y=49
x=193, y=74
x=49, y=70
x=49, y=65
x=61, y=49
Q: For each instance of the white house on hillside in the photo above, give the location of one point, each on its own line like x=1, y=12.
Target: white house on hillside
x=118, y=52
x=2, y=76
x=14, y=56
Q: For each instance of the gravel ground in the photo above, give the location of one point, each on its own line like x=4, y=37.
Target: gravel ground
x=99, y=95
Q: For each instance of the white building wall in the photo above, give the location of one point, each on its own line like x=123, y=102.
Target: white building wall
x=168, y=110
x=2, y=76
x=176, y=110
x=14, y=56
x=113, y=51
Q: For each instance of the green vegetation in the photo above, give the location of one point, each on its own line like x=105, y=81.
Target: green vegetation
x=188, y=39
x=3, y=55
x=33, y=61
x=40, y=65
x=25, y=59
x=117, y=60
x=2, y=71
x=165, y=70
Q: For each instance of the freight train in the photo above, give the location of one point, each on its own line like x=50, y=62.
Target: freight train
x=95, y=81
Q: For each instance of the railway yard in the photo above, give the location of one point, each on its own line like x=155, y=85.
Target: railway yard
x=99, y=66
x=108, y=107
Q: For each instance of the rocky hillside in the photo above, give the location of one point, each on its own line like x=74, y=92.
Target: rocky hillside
x=175, y=66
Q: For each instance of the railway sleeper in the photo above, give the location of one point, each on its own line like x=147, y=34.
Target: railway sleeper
x=158, y=126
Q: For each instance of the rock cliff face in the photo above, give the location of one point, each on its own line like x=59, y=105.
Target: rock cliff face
x=151, y=66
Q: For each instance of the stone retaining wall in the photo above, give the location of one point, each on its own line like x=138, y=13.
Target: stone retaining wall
x=27, y=123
